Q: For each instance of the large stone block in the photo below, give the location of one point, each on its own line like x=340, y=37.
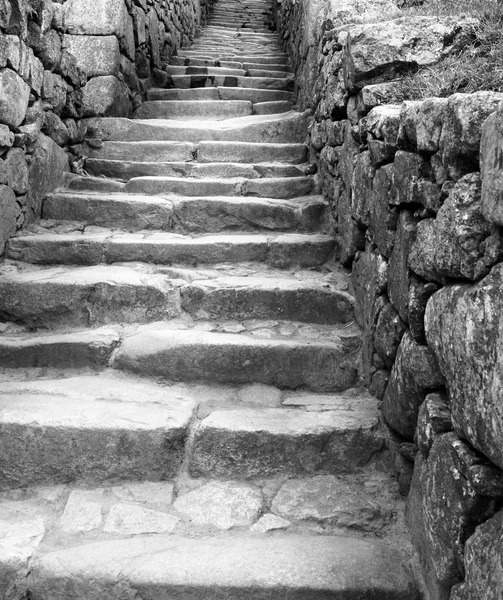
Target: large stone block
x=491, y=159
x=47, y=168
x=442, y=510
x=106, y=96
x=388, y=334
x=462, y=130
x=95, y=54
x=383, y=216
x=8, y=212
x=483, y=562
x=414, y=374
x=464, y=328
x=421, y=123
x=363, y=176
x=451, y=246
x=379, y=52
x=100, y=17
x=14, y=96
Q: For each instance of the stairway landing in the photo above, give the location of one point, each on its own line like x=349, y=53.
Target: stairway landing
x=181, y=413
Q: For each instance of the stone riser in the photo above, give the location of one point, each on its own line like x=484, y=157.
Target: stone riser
x=198, y=81
x=253, y=95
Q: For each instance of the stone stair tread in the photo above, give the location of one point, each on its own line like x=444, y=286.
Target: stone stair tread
x=221, y=93
x=284, y=128
x=240, y=566
x=78, y=429
x=200, y=355
x=191, y=110
x=88, y=248
x=270, y=83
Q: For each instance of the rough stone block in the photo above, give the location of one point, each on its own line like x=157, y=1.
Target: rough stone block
x=383, y=123
x=361, y=188
x=442, y=511
x=15, y=171
x=464, y=329
x=462, y=130
x=388, y=334
x=8, y=210
x=419, y=293
x=101, y=17
x=434, y=419
x=451, y=246
x=54, y=90
x=414, y=374
x=491, y=159
x=14, y=96
x=383, y=216
x=483, y=561
x=421, y=123
x=106, y=96
x=95, y=54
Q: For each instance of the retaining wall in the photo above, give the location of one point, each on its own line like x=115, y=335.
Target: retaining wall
x=416, y=191
x=63, y=61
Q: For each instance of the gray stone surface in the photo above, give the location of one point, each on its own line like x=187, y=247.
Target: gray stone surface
x=95, y=54
x=260, y=442
x=463, y=329
x=270, y=522
x=106, y=17
x=247, y=566
x=490, y=159
x=130, y=519
x=14, y=96
x=483, y=562
x=223, y=505
x=83, y=511
x=9, y=211
x=105, y=95
x=328, y=500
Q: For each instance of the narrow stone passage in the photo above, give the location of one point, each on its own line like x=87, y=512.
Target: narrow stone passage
x=180, y=407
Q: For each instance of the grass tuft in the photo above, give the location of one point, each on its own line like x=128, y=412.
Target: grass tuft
x=478, y=65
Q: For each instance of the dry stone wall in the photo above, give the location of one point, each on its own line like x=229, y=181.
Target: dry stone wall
x=416, y=190
x=63, y=61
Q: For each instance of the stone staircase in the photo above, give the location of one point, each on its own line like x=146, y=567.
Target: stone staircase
x=180, y=408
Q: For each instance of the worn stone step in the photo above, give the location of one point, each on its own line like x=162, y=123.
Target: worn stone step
x=266, y=83
x=92, y=184
x=203, y=70
x=203, y=152
x=242, y=60
x=89, y=429
x=247, y=567
x=278, y=250
x=269, y=187
x=285, y=128
x=89, y=349
x=125, y=170
x=198, y=214
x=194, y=110
x=260, y=57
x=272, y=108
x=260, y=297
x=220, y=93
x=198, y=355
x=261, y=442
x=84, y=296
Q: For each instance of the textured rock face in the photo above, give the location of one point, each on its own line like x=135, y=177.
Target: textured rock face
x=491, y=161
x=484, y=562
x=464, y=328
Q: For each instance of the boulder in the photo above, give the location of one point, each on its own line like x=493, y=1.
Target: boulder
x=464, y=329
x=414, y=374
x=421, y=123
x=9, y=211
x=14, y=97
x=383, y=216
x=451, y=246
x=95, y=54
x=106, y=96
x=100, y=17
x=491, y=159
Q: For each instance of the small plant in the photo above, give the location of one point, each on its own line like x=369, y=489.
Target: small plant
x=476, y=66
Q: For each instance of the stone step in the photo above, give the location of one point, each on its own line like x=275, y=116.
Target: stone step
x=199, y=355
x=277, y=250
x=242, y=60
x=125, y=170
x=258, y=71
x=228, y=64
x=258, y=57
x=252, y=95
x=262, y=442
x=86, y=296
x=266, y=83
x=88, y=349
x=272, y=108
x=90, y=429
x=248, y=567
x=203, y=152
x=283, y=188
x=194, y=110
x=259, y=297
x=199, y=214
x=285, y=128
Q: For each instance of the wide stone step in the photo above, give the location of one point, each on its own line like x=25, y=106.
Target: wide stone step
x=203, y=152
x=267, y=187
x=88, y=429
x=261, y=442
x=280, y=250
x=252, y=95
x=194, y=110
x=198, y=214
x=125, y=170
x=233, y=59
x=198, y=355
x=265, y=83
x=285, y=128
x=88, y=349
x=201, y=62
x=260, y=297
x=261, y=57
x=249, y=568
x=86, y=296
